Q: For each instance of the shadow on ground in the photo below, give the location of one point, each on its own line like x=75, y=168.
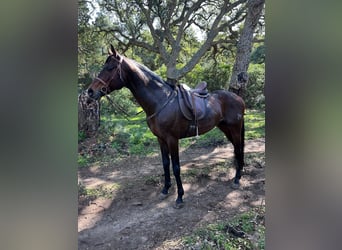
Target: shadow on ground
x=133, y=217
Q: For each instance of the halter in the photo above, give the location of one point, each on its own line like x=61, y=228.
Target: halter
x=104, y=89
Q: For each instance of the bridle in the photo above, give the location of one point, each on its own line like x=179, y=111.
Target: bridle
x=105, y=87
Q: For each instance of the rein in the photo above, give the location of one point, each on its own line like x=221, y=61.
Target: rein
x=104, y=90
x=173, y=94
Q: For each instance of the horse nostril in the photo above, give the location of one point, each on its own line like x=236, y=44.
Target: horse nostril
x=90, y=92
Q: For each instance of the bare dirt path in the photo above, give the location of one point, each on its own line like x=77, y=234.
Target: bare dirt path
x=132, y=216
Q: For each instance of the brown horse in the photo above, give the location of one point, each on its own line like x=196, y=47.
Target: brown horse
x=164, y=117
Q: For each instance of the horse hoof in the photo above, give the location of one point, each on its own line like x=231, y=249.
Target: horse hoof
x=235, y=185
x=179, y=205
x=163, y=196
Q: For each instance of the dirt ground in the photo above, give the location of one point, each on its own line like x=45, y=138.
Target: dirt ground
x=133, y=217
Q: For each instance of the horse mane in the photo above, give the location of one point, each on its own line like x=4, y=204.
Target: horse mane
x=145, y=73
x=132, y=65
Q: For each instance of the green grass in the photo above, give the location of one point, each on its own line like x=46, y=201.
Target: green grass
x=219, y=235
x=254, y=124
x=254, y=128
x=133, y=137
x=255, y=158
x=102, y=191
x=83, y=160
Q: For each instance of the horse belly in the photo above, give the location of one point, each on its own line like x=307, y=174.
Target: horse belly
x=201, y=127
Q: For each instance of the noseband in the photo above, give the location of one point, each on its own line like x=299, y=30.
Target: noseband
x=104, y=89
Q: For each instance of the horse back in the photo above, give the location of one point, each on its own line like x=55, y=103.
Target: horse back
x=232, y=106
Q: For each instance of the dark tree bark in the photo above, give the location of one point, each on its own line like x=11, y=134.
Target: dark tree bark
x=239, y=78
x=88, y=115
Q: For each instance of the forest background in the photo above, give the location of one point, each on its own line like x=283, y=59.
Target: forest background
x=182, y=41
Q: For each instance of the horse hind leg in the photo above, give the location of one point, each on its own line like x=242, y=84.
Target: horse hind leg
x=235, y=134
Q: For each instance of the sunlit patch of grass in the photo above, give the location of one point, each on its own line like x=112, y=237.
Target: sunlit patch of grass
x=212, y=138
x=105, y=191
x=130, y=136
x=254, y=124
x=255, y=158
x=254, y=128
x=244, y=231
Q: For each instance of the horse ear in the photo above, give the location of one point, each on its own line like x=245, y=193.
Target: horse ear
x=112, y=51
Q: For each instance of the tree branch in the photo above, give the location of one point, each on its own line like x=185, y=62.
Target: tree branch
x=147, y=14
x=210, y=38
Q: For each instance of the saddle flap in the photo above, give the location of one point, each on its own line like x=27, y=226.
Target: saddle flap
x=192, y=104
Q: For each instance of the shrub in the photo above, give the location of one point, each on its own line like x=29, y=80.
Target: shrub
x=254, y=97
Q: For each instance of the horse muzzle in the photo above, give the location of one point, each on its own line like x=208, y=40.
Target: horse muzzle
x=95, y=95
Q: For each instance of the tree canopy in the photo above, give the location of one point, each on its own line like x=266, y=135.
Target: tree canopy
x=182, y=40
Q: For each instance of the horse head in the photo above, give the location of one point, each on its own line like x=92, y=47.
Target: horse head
x=109, y=78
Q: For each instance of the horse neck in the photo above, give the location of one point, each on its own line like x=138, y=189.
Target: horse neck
x=150, y=92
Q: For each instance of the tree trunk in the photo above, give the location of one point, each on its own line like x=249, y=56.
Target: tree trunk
x=88, y=115
x=172, y=73
x=239, y=77
x=172, y=81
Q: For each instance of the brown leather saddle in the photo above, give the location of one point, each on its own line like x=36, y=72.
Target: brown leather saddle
x=193, y=102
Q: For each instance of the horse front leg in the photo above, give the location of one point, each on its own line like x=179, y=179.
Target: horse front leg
x=173, y=147
x=166, y=166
